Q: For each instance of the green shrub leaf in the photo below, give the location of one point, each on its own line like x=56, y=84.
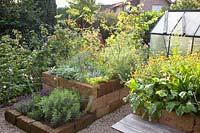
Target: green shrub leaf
x=180, y=110
x=162, y=93
x=171, y=105
x=182, y=94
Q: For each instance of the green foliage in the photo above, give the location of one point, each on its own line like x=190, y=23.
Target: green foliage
x=77, y=52
x=30, y=107
x=21, y=67
x=97, y=80
x=118, y=58
x=138, y=24
x=186, y=5
x=166, y=83
x=23, y=15
x=150, y=18
x=82, y=11
x=48, y=10
x=62, y=11
x=23, y=62
x=106, y=22
x=15, y=60
x=60, y=106
x=124, y=51
x=121, y=55
x=81, y=67
x=27, y=16
x=25, y=106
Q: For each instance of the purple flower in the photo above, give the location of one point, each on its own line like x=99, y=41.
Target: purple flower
x=24, y=98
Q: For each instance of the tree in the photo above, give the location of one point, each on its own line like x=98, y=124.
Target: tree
x=186, y=5
x=26, y=15
x=22, y=15
x=62, y=11
x=83, y=11
x=48, y=9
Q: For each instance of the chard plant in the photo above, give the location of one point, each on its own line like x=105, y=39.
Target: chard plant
x=170, y=84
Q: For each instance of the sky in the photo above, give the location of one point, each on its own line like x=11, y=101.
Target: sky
x=63, y=3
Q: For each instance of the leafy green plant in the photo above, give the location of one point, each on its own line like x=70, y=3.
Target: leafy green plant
x=30, y=107
x=186, y=5
x=166, y=83
x=118, y=59
x=82, y=11
x=106, y=22
x=60, y=106
x=57, y=108
x=97, y=80
x=80, y=67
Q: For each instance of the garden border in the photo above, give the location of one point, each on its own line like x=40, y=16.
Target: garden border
x=32, y=126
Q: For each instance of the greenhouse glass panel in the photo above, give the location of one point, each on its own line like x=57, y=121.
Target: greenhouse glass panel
x=159, y=26
x=181, y=45
x=158, y=45
x=178, y=30
x=183, y=33
x=192, y=22
x=196, y=46
x=198, y=33
x=173, y=18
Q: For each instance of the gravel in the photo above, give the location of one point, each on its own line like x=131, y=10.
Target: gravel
x=5, y=127
x=102, y=125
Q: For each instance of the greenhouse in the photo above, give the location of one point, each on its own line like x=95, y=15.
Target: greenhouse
x=176, y=30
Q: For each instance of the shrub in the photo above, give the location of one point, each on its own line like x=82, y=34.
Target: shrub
x=57, y=108
x=14, y=61
x=21, y=64
x=60, y=106
x=167, y=83
x=106, y=21
x=20, y=67
x=119, y=59
x=186, y=5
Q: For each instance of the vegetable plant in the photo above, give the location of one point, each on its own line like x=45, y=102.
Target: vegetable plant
x=170, y=83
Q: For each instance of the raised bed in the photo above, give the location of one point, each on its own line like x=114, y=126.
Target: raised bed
x=187, y=122
x=106, y=96
x=31, y=126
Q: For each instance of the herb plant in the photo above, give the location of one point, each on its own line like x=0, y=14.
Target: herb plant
x=57, y=108
x=61, y=106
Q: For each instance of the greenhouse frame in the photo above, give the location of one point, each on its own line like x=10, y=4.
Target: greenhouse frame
x=179, y=30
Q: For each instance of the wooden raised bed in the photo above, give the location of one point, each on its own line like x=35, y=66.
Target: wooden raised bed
x=187, y=122
x=31, y=126
x=106, y=96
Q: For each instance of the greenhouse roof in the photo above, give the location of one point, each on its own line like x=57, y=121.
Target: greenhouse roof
x=184, y=22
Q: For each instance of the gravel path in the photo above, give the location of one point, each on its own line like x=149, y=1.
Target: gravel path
x=5, y=127
x=102, y=125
